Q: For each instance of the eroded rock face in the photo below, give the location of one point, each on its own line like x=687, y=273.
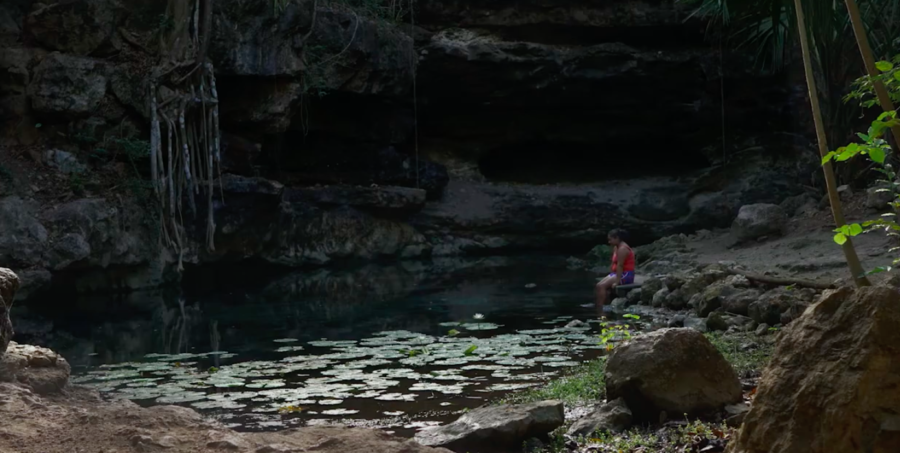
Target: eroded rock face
x=495, y=428
x=65, y=84
x=78, y=27
x=9, y=285
x=676, y=371
x=832, y=382
x=39, y=368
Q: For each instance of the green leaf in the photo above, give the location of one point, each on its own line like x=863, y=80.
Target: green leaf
x=876, y=154
x=878, y=270
x=828, y=157
x=884, y=66
x=897, y=76
x=470, y=350
x=864, y=137
x=453, y=332
x=855, y=229
x=840, y=239
x=886, y=115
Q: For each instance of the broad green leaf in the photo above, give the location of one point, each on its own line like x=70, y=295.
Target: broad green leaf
x=845, y=155
x=840, y=239
x=470, y=350
x=855, y=229
x=884, y=66
x=828, y=157
x=876, y=154
x=886, y=115
x=864, y=137
x=897, y=76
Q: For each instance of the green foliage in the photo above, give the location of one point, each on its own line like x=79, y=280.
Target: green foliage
x=863, y=88
x=584, y=384
x=878, y=150
x=470, y=350
x=452, y=333
x=744, y=361
x=77, y=183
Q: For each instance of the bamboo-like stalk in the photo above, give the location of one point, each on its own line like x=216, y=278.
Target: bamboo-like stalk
x=834, y=199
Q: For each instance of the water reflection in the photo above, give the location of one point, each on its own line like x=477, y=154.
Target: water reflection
x=389, y=345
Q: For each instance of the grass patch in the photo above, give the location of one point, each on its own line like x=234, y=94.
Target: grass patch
x=585, y=384
x=747, y=361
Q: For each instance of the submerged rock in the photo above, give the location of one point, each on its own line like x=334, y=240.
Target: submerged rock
x=495, y=428
x=832, y=382
x=677, y=371
x=614, y=416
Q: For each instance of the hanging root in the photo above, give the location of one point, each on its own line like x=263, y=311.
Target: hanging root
x=186, y=164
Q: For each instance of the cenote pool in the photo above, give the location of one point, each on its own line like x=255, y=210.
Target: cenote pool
x=398, y=346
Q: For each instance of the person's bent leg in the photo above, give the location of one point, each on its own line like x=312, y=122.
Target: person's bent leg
x=602, y=290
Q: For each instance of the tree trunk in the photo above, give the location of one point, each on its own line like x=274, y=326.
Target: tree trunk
x=862, y=40
x=849, y=252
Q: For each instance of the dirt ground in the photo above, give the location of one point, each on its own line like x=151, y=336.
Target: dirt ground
x=807, y=250
x=78, y=421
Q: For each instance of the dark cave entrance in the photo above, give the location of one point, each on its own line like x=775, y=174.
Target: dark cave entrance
x=544, y=162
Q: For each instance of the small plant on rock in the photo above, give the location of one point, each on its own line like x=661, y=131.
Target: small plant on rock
x=610, y=332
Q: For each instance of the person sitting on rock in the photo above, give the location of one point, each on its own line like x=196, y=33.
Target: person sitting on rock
x=622, y=266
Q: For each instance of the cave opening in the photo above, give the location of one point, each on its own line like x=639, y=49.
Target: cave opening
x=544, y=162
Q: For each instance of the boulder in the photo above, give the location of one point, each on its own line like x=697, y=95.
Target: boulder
x=613, y=417
x=757, y=220
x=711, y=298
x=716, y=322
x=878, y=198
x=39, y=368
x=675, y=300
x=68, y=85
x=659, y=299
x=495, y=428
x=649, y=289
x=769, y=307
x=634, y=296
x=677, y=371
x=696, y=284
x=377, y=199
x=9, y=285
x=832, y=383
x=739, y=302
x=762, y=329
x=791, y=205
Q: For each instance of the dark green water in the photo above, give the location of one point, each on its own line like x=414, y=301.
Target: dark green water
x=398, y=346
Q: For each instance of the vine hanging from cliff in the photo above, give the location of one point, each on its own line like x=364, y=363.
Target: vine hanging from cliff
x=184, y=116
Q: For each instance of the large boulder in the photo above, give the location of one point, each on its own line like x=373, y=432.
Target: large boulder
x=9, y=284
x=832, y=383
x=495, y=428
x=39, y=368
x=677, y=371
x=756, y=220
x=614, y=416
